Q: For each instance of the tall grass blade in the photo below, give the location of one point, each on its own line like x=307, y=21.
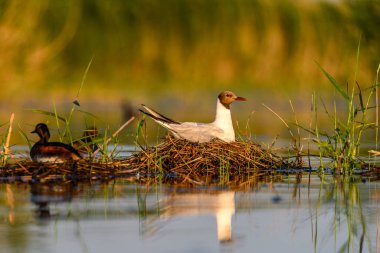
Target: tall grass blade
x=357, y=58
x=360, y=97
x=83, y=79
x=335, y=83
x=75, y=104
x=51, y=114
x=89, y=114
x=139, y=131
x=56, y=116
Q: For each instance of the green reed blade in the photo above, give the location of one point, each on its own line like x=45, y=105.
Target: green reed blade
x=51, y=114
x=362, y=108
x=84, y=77
x=89, y=114
x=335, y=83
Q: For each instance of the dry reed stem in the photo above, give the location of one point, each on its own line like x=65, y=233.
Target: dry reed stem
x=6, y=147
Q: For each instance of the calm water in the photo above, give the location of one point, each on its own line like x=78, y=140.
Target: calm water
x=278, y=215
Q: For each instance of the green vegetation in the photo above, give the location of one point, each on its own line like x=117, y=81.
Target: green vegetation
x=342, y=141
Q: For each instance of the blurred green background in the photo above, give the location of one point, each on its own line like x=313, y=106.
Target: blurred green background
x=177, y=55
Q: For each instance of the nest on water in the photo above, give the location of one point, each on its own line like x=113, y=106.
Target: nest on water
x=173, y=160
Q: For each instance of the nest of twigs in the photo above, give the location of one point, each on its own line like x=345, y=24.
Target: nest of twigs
x=173, y=160
x=215, y=160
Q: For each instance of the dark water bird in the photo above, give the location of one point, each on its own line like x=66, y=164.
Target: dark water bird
x=221, y=128
x=44, y=151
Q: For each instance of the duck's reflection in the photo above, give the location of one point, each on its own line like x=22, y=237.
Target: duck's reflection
x=220, y=204
x=44, y=194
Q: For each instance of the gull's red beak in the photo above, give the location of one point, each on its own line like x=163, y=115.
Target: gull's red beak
x=240, y=99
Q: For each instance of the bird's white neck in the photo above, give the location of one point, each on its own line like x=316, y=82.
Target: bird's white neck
x=223, y=120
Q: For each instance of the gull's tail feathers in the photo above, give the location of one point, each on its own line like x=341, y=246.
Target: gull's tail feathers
x=157, y=116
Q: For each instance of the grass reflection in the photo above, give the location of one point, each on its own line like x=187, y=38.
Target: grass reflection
x=344, y=196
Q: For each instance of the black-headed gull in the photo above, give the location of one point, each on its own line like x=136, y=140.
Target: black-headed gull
x=221, y=128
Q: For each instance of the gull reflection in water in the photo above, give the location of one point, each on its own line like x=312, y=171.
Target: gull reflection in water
x=220, y=204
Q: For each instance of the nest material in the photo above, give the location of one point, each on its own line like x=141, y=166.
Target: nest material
x=215, y=159
x=171, y=161
x=27, y=170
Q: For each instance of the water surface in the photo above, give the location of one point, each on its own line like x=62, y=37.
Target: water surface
x=279, y=214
